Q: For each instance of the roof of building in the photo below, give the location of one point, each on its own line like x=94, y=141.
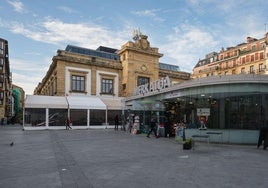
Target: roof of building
x=103, y=52
x=106, y=49
x=169, y=67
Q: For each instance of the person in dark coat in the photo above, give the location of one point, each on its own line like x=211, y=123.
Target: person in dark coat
x=263, y=137
x=152, y=128
x=168, y=126
x=116, y=122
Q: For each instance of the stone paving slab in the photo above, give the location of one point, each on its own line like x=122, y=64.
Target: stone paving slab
x=107, y=158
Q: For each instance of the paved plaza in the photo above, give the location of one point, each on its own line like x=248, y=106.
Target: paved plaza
x=114, y=159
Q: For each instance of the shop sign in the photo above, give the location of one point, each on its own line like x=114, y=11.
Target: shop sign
x=154, y=86
x=203, y=111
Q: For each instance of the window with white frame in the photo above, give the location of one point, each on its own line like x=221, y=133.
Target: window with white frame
x=78, y=83
x=107, y=86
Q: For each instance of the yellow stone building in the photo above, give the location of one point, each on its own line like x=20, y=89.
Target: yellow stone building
x=245, y=58
x=106, y=71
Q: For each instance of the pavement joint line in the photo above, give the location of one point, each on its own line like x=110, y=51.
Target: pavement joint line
x=71, y=174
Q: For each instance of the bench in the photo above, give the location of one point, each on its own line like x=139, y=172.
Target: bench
x=206, y=137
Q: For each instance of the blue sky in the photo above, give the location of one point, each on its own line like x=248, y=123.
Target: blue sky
x=183, y=30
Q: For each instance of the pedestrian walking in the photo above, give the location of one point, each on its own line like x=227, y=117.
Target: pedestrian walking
x=116, y=122
x=130, y=123
x=152, y=127
x=68, y=123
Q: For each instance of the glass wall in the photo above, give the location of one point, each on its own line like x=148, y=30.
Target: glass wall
x=111, y=115
x=57, y=117
x=78, y=117
x=245, y=112
x=97, y=117
x=35, y=117
x=242, y=111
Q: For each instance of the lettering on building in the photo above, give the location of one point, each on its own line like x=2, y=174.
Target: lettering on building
x=154, y=86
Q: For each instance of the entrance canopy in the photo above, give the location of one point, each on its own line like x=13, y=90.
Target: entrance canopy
x=41, y=101
x=85, y=102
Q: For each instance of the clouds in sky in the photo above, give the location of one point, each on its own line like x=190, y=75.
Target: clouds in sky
x=57, y=32
x=184, y=31
x=17, y=6
x=187, y=40
x=152, y=13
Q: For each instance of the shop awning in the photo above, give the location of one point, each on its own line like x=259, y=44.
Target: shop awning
x=112, y=104
x=41, y=101
x=85, y=102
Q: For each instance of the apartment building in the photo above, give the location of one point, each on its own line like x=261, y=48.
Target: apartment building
x=249, y=57
x=5, y=83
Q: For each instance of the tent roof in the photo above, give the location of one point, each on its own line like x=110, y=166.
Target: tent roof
x=42, y=101
x=112, y=104
x=85, y=102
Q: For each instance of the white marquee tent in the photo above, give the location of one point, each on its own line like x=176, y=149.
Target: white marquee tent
x=68, y=103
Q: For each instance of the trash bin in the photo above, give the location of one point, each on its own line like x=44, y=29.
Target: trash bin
x=161, y=131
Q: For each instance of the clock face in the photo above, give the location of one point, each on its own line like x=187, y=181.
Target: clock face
x=143, y=68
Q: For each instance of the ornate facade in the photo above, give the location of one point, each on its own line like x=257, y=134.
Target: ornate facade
x=106, y=71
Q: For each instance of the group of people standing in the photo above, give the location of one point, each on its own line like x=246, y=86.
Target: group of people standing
x=133, y=124
x=154, y=127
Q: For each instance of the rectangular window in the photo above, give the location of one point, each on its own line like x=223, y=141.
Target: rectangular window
x=256, y=56
x=78, y=83
x=243, y=71
x=247, y=58
x=251, y=69
x=254, y=48
x=1, y=62
x=261, y=55
x=107, y=86
x=142, y=80
x=243, y=60
x=261, y=67
x=252, y=58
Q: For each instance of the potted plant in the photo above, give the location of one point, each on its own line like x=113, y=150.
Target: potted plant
x=187, y=144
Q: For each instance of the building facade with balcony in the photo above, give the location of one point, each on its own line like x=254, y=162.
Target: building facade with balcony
x=5, y=83
x=249, y=57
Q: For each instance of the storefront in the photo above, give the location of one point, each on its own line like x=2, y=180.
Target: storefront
x=237, y=105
